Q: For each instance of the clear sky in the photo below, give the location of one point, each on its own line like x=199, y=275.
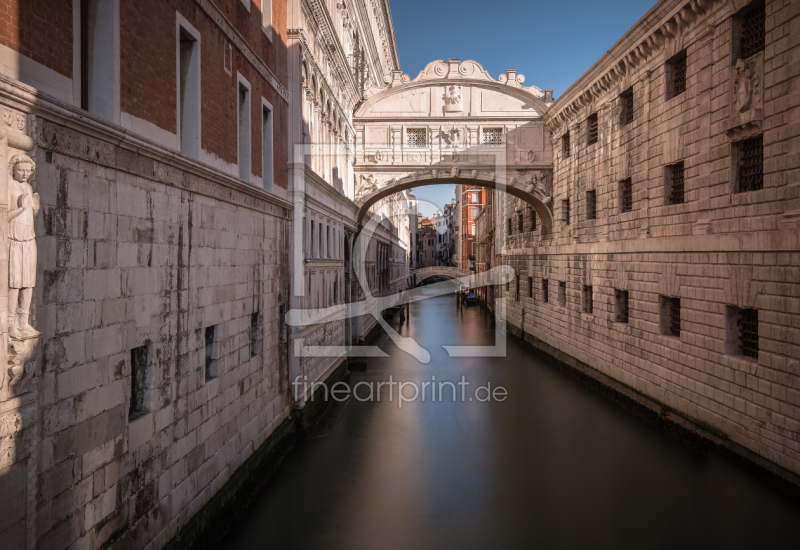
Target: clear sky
x=551, y=43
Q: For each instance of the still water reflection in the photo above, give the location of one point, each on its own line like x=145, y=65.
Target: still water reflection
x=553, y=466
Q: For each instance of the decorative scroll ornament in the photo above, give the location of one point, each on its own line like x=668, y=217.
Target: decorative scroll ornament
x=23, y=205
x=453, y=102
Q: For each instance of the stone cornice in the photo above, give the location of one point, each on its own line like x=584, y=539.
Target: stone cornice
x=667, y=20
x=212, y=11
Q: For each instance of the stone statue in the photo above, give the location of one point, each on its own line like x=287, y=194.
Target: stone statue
x=23, y=207
x=453, y=101
x=369, y=184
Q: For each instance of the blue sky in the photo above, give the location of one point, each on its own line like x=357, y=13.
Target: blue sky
x=551, y=43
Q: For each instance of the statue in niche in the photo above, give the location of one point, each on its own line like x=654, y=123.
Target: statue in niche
x=744, y=85
x=23, y=206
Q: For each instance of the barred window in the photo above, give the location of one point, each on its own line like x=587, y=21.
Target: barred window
x=675, y=179
x=753, y=31
x=591, y=204
x=626, y=101
x=562, y=293
x=545, y=295
x=516, y=294
x=530, y=287
x=591, y=126
x=587, y=299
x=748, y=332
x=677, y=72
x=565, y=211
x=621, y=311
x=670, y=316
x=533, y=218
x=751, y=164
x=416, y=137
x=510, y=229
x=492, y=136
x=565, y=145
x=626, y=195
x=521, y=223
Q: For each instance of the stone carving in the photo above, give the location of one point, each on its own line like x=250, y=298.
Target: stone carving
x=454, y=172
x=538, y=186
x=745, y=85
x=435, y=174
x=23, y=206
x=451, y=137
x=530, y=156
x=453, y=102
x=369, y=184
x=20, y=122
x=474, y=174
x=7, y=117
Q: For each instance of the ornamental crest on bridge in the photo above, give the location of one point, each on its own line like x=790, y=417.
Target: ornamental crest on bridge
x=454, y=123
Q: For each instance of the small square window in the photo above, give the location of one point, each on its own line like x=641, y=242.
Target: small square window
x=492, y=136
x=588, y=305
x=545, y=295
x=627, y=111
x=749, y=158
x=416, y=137
x=212, y=352
x=674, y=183
x=741, y=331
x=670, y=310
x=621, y=312
x=565, y=145
x=676, y=75
x=591, y=127
x=626, y=195
x=141, y=381
x=591, y=204
x=565, y=211
x=562, y=293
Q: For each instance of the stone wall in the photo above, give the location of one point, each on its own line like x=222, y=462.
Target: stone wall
x=140, y=252
x=717, y=251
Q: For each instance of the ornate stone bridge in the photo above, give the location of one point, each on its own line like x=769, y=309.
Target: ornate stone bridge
x=445, y=272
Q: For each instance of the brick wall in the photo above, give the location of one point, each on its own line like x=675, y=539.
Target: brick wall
x=40, y=30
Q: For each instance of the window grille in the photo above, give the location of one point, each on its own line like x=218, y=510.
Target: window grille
x=676, y=183
x=565, y=210
x=520, y=223
x=673, y=311
x=627, y=107
x=622, y=312
x=510, y=229
x=416, y=137
x=679, y=75
x=748, y=332
x=587, y=299
x=516, y=294
x=591, y=204
x=753, y=31
x=565, y=145
x=545, y=295
x=626, y=191
x=492, y=136
x=533, y=218
x=530, y=287
x=751, y=164
x=591, y=123
x=562, y=293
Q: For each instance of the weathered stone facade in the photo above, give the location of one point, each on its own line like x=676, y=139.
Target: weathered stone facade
x=628, y=247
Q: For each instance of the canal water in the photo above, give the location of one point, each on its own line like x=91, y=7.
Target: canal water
x=553, y=465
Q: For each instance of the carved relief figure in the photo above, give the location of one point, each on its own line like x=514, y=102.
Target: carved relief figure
x=23, y=207
x=453, y=101
x=452, y=137
x=744, y=85
x=369, y=184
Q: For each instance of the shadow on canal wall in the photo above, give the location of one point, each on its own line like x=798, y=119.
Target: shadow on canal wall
x=690, y=431
x=209, y=527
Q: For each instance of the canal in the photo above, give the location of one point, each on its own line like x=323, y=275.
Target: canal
x=553, y=465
